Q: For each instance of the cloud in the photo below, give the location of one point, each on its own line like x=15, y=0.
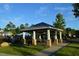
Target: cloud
x=6, y=7
x=41, y=12
x=63, y=10
x=16, y=20
x=41, y=9
x=60, y=8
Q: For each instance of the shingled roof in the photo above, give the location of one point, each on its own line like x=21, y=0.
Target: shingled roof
x=42, y=24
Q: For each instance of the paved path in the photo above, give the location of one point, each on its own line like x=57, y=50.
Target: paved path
x=51, y=50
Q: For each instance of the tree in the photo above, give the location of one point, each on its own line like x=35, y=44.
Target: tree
x=70, y=31
x=76, y=9
x=22, y=26
x=59, y=23
x=9, y=26
x=17, y=30
x=26, y=25
x=0, y=28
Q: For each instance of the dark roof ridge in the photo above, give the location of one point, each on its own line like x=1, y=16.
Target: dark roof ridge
x=42, y=24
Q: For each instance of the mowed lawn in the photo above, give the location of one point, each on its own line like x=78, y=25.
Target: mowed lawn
x=26, y=50
x=71, y=49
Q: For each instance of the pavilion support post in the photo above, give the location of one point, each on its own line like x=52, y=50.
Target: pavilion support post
x=56, y=39
x=40, y=39
x=48, y=38
x=24, y=38
x=60, y=40
x=24, y=41
x=34, y=38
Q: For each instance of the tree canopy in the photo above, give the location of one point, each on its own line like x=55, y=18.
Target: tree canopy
x=59, y=22
x=23, y=26
x=10, y=26
x=70, y=30
x=76, y=9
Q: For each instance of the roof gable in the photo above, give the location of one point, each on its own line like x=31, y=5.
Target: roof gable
x=42, y=24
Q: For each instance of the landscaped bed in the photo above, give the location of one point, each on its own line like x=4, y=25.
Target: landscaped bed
x=25, y=50
x=71, y=49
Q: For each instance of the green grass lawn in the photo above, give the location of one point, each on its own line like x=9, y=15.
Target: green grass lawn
x=26, y=50
x=71, y=49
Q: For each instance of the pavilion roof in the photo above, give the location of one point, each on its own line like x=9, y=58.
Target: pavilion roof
x=41, y=25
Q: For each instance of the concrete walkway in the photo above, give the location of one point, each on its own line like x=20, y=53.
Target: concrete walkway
x=51, y=50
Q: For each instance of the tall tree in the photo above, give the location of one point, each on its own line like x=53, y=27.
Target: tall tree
x=10, y=26
x=76, y=9
x=22, y=26
x=17, y=30
x=59, y=23
x=26, y=25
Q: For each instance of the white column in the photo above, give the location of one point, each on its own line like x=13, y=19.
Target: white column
x=56, y=39
x=48, y=35
x=48, y=38
x=60, y=35
x=24, y=38
x=34, y=38
x=40, y=38
x=60, y=40
x=55, y=34
x=34, y=35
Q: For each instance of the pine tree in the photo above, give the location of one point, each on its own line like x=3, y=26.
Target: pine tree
x=22, y=26
x=9, y=26
x=59, y=23
x=17, y=30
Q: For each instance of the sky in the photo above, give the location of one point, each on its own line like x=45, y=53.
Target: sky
x=33, y=13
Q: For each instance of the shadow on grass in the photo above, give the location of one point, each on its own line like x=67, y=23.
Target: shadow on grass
x=28, y=50
x=23, y=52
x=73, y=47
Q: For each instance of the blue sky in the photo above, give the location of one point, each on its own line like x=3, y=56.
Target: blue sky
x=22, y=13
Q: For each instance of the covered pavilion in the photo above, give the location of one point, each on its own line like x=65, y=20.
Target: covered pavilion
x=44, y=32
